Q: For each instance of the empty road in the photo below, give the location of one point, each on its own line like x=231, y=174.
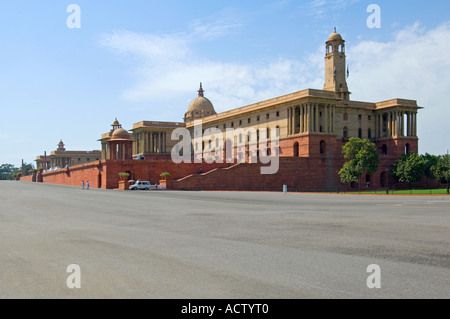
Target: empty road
x=164, y=244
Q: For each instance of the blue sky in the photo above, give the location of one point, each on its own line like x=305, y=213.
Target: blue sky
x=143, y=60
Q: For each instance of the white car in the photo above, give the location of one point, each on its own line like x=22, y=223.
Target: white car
x=141, y=185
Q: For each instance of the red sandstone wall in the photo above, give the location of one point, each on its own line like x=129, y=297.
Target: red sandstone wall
x=75, y=175
x=318, y=172
x=27, y=178
x=151, y=170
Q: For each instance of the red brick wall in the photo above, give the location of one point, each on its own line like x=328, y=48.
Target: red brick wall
x=311, y=171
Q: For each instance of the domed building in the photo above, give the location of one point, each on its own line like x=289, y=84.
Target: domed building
x=199, y=107
x=306, y=131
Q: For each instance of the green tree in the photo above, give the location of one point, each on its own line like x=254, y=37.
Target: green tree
x=362, y=159
x=27, y=168
x=442, y=168
x=7, y=171
x=409, y=168
x=430, y=162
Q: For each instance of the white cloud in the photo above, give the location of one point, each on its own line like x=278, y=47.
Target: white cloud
x=414, y=65
x=171, y=67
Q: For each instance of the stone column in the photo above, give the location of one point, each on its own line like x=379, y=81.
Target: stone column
x=301, y=119
x=403, y=123
x=415, y=124
x=289, y=120
x=410, y=124
x=316, y=115
x=309, y=119
x=333, y=120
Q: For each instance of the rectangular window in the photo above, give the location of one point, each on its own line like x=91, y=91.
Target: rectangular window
x=257, y=118
x=224, y=126
x=359, y=116
x=240, y=123
x=278, y=113
x=232, y=124
x=267, y=116
x=249, y=120
x=369, y=117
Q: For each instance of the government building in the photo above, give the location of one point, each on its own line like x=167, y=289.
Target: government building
x=311, y=125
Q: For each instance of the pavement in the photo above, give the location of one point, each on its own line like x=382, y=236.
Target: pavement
x=191, y=245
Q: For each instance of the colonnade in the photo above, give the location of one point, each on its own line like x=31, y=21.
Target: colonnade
x=311, y=118
x=150, y=142
x=393, y=124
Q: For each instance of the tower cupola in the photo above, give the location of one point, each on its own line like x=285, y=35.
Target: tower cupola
x=335, y=66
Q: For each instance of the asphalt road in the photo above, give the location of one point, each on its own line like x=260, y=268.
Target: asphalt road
x=163, y=244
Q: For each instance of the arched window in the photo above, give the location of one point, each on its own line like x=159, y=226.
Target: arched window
x=296, y=149
x=345, y=132
x=322, y=147
x=278, y=131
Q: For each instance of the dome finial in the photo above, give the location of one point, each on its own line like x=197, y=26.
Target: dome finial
x=200, y=91
x=335, y=30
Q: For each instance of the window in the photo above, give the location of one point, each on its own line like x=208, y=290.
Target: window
x=407, y=148
x=369, y=118
x=249, y=120
x=320, y=114
x=240, y=123
x=224, y=126
x=267, y=116
x=360, y=132
x=268, y=133
x=296, y=149
x=240, y=138
x=384, y=149
x=257, y=118
x=359, y=117
x=278, y=113
x=232, y=124
x=278, y=131
x=322, y=147
x=345, y=133
x=369, y=133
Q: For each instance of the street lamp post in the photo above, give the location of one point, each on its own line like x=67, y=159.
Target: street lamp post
x=448, y=169
x=387, y=182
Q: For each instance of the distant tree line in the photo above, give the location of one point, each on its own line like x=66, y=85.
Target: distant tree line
x=10, y=172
